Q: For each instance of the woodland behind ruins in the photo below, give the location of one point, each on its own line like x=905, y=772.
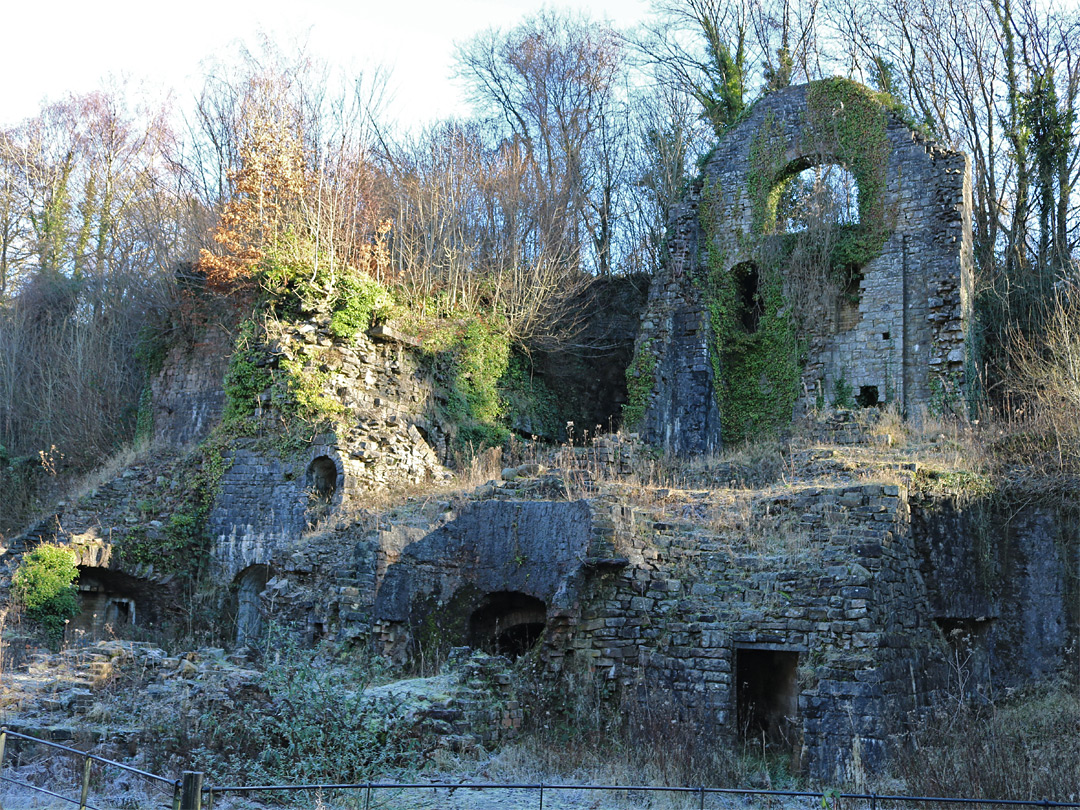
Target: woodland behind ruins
x=716, y=380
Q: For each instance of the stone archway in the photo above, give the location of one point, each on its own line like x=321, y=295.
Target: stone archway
x=250, y=583
x=322, y=478
x=891, y=316
x=507, y=623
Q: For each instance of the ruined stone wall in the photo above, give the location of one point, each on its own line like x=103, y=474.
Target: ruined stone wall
x=905, y=336
x=847, y=599
x=389, y=435
x=187, y=395
x=1003, y=583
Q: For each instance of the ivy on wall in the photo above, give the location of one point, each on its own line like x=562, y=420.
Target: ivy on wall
x=640, y=381
x=755, y=370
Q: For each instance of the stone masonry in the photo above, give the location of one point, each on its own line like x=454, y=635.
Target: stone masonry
x=390, y=436
x=905, y=338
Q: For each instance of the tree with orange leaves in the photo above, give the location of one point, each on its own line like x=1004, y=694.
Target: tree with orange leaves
x=268, y=189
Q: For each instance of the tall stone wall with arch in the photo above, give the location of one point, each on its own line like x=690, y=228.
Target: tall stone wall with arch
x=888, y=323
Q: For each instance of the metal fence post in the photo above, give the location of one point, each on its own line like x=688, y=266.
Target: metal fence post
x=541, y=796
x=87, y=762
x=702, y=797
x=191, y=790
x=176, y=795
x=3, y=743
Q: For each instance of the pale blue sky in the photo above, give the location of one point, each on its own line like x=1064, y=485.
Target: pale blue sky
x=52, y=49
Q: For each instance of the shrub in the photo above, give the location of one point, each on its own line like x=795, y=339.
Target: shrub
x=44, y=584
x=360, y=301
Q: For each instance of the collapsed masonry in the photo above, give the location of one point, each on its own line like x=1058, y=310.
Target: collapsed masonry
x=813, y=619
x=891, y=326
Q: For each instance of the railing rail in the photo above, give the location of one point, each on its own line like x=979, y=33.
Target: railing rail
x=188, y=792
x=817, y=796
x=88, y=761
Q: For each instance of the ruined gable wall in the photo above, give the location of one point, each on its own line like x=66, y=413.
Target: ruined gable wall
x=906, y=337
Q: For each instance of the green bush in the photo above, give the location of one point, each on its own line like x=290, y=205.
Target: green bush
x=308, y=720
x=360, y=301
x=44, y=585
x=470, y=357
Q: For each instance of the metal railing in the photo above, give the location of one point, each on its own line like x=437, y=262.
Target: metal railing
x=171, y=790
x=188, y=792
x=824, y=799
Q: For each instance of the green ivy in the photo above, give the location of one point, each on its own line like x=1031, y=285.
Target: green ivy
x=185, y=544
x=144, y=418
x=640, y=382
x=297, y=278
x=247, y=376
x=470, y=356
x=768, y=158
x=45, y=585
x=847, y=122
x=360, y=301
x=854, y=117
x=755, y=374
x=531, y=406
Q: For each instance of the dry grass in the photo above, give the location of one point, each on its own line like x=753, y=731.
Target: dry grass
x=1025, y=747
x=577, y=734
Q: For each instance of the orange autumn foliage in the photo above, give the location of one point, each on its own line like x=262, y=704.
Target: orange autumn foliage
x=267, y=201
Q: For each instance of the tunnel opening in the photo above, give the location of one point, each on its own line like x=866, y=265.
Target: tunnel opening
x=767, y=697
x=107, y=605
x=322, y=475
x=249, y=584
x=507, y=623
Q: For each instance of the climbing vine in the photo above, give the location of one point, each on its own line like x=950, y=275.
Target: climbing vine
x=852, y=119
x=845, y=123
x=756, y=371
x=768, y=156
x=640, y=381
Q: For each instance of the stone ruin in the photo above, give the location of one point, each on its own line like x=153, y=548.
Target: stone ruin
x=816, y=617
x=893, y=330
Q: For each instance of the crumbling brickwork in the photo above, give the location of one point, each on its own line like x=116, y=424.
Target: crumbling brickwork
x=898, y=330
x=267, y=500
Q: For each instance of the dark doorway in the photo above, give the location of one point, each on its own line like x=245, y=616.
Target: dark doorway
x=110, y=605
x=868, y=396
x=748, y=295
x=507, y=623
x=767, y=697
x=249, y=621
x=322, y=478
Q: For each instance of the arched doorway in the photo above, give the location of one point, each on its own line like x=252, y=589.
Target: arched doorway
x=507, y=623
x=322, y=478
x=249, y=584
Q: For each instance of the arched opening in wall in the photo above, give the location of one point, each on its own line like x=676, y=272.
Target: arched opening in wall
x=767, y=697
x=868, y=397
x=322, y=476
x=249, y=584
x=507, y=623
x=813, y=195
x=110, y=605
x=748, y=295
